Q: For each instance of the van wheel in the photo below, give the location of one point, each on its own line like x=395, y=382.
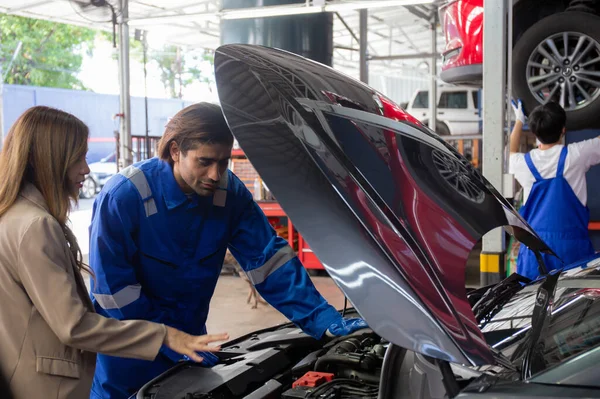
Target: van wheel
x=558, y=59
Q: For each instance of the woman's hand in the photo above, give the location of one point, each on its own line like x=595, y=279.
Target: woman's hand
x=186, y=344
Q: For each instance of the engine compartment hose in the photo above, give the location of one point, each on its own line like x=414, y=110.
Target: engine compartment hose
x=364, y=362
x=348, y=345
x=371, y=378
x=345, y=388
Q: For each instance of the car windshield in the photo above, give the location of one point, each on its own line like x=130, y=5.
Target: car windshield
x=109, y=158
x=572, y=326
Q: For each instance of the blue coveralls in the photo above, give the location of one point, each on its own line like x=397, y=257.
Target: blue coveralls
x=157, y=255
x=559, y=218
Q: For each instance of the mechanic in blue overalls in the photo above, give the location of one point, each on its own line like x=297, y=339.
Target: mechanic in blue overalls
x=554, y=187
x=159, y=233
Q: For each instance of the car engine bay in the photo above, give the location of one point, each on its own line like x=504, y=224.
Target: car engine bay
x=280, y=362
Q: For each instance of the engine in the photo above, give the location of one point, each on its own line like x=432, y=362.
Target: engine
x=280, y=363
x=348, y=369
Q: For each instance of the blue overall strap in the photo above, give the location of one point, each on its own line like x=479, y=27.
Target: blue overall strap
x=137, y=177
x=532, y=168
x=561, y=161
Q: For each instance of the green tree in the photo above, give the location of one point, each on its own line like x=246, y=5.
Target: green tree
x=178, y=68
x=51, y=53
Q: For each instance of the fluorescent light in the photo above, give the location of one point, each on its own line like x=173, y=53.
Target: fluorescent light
x=169, y=19
x=270, y=11
x=361, y=5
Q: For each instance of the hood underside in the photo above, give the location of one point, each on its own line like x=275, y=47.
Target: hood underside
x=390, y=209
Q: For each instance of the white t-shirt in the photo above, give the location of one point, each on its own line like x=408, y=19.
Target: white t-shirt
x=581, y=157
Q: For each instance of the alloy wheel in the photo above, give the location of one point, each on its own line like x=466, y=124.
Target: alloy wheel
x=565, y=68
x=88, y=190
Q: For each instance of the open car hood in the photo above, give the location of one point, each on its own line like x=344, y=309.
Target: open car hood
x=390, y=209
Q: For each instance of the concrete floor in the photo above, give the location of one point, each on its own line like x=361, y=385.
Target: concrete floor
x=229, y=312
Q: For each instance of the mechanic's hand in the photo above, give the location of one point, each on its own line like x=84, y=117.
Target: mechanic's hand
x=346, y=326
x=518, y=109
x=209, y=359
x=188, y=345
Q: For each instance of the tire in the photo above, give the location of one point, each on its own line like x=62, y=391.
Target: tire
x=582, y=112
x=89, y=188
x=442, y=129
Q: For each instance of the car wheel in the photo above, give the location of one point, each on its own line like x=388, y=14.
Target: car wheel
x=442, y=129
x=89, y=188
x=558, y=59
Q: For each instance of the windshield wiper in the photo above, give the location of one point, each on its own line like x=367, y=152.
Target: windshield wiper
x=502, y=360
x=541, y=265
x=496, y=297
x=543, y=300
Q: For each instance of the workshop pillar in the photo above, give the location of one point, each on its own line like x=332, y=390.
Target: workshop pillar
x=494, y=104
x=364, y=32
x=309, y=35
x=433, y=75
x=125, y=143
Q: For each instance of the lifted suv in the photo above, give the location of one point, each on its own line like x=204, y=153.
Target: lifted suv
x=556, y=53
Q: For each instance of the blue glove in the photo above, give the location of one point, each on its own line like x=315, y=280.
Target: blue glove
x=343, y=327
x=209, y=359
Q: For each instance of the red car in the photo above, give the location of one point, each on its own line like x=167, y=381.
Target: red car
x=556, y=53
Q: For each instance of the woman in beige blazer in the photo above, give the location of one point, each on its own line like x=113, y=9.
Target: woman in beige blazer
x=49, y=332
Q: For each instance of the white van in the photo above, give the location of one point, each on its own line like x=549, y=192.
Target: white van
x=457, y=109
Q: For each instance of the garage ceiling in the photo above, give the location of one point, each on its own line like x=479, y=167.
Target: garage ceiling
x=392, y=29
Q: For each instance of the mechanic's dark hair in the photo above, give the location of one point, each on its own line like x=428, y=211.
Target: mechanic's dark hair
x=198, y=124
x=547, y=122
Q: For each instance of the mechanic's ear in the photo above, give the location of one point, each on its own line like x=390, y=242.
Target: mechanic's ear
x=174, y=150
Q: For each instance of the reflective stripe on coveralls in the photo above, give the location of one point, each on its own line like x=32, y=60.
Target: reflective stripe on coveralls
x=120, y=299
x=280, y=258
x=137, y=177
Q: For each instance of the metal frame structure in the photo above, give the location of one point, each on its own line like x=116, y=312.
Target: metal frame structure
x=401, y=34
x=125, y=142
x=494, y=122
